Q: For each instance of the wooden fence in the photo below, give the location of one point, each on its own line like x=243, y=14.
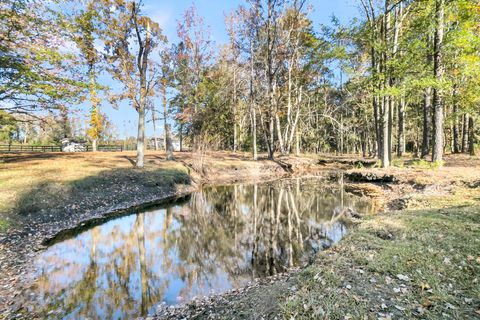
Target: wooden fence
x=11, y=148
x=7, y=148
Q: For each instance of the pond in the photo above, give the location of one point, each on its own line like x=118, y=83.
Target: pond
x=217, y=239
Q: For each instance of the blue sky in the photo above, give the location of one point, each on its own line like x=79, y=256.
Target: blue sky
x=167, y=13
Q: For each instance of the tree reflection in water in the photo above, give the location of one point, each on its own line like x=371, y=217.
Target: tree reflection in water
x=221, y=238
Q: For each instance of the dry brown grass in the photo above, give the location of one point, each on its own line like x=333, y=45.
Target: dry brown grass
x=21, y=172
x=456, y=168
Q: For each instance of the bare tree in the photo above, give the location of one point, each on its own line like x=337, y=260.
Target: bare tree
x=130, y=38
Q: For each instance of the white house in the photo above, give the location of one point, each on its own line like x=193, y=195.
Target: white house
x=70, y=146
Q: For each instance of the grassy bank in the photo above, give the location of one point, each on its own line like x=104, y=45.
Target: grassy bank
x=40, y=184
x=413, y=263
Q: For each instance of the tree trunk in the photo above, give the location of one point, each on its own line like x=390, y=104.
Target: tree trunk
x=165, y=113
x=253, y=113
x=141, y=135
x=471, y=135
x=385, y=139
x=234, y=110
x=375, y=69
x=181, y=137
x=465, y=133
x=254, y=133
x=341, y=134
x=364, y=143
x=142, y=65
x=401, y=128
x=390, y=127
x=456, y=131
x=271, y=132
x=294, y=126
x=297, y=142
x=26, y=131
x=426, y=122
x=94, y=121
x=270, y=76
x=281, y=142
x=154, y=122
x=94, y=145
x=438, y=139
x=168, y=143
x=376, y=117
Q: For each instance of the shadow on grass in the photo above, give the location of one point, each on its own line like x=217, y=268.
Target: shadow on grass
x=21, y=157
x=105, y=189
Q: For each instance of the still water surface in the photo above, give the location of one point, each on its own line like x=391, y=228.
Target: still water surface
x=215, y=240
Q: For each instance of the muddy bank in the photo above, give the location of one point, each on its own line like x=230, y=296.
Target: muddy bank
x=258, y=300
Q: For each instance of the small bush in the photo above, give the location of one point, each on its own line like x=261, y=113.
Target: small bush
x=424, y=164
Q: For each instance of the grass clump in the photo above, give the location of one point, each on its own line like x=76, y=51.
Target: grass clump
x=399, y=163
x=424, y=164
x=4, y=225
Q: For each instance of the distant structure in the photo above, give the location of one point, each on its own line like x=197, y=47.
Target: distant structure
x=161, y=143
x=72, y=146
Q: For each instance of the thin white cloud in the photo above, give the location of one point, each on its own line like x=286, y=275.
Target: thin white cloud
x=162, y=17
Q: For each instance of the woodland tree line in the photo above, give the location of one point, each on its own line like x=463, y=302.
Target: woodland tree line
x=404, y=76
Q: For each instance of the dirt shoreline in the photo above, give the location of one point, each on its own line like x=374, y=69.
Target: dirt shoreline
x=19, y=246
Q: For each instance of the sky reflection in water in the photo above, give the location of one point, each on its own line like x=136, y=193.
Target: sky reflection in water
x=221, y=238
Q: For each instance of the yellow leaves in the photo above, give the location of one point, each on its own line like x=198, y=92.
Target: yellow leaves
x=96, y=123
x=471, y=258
x=424, y=286
x=147, y=22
